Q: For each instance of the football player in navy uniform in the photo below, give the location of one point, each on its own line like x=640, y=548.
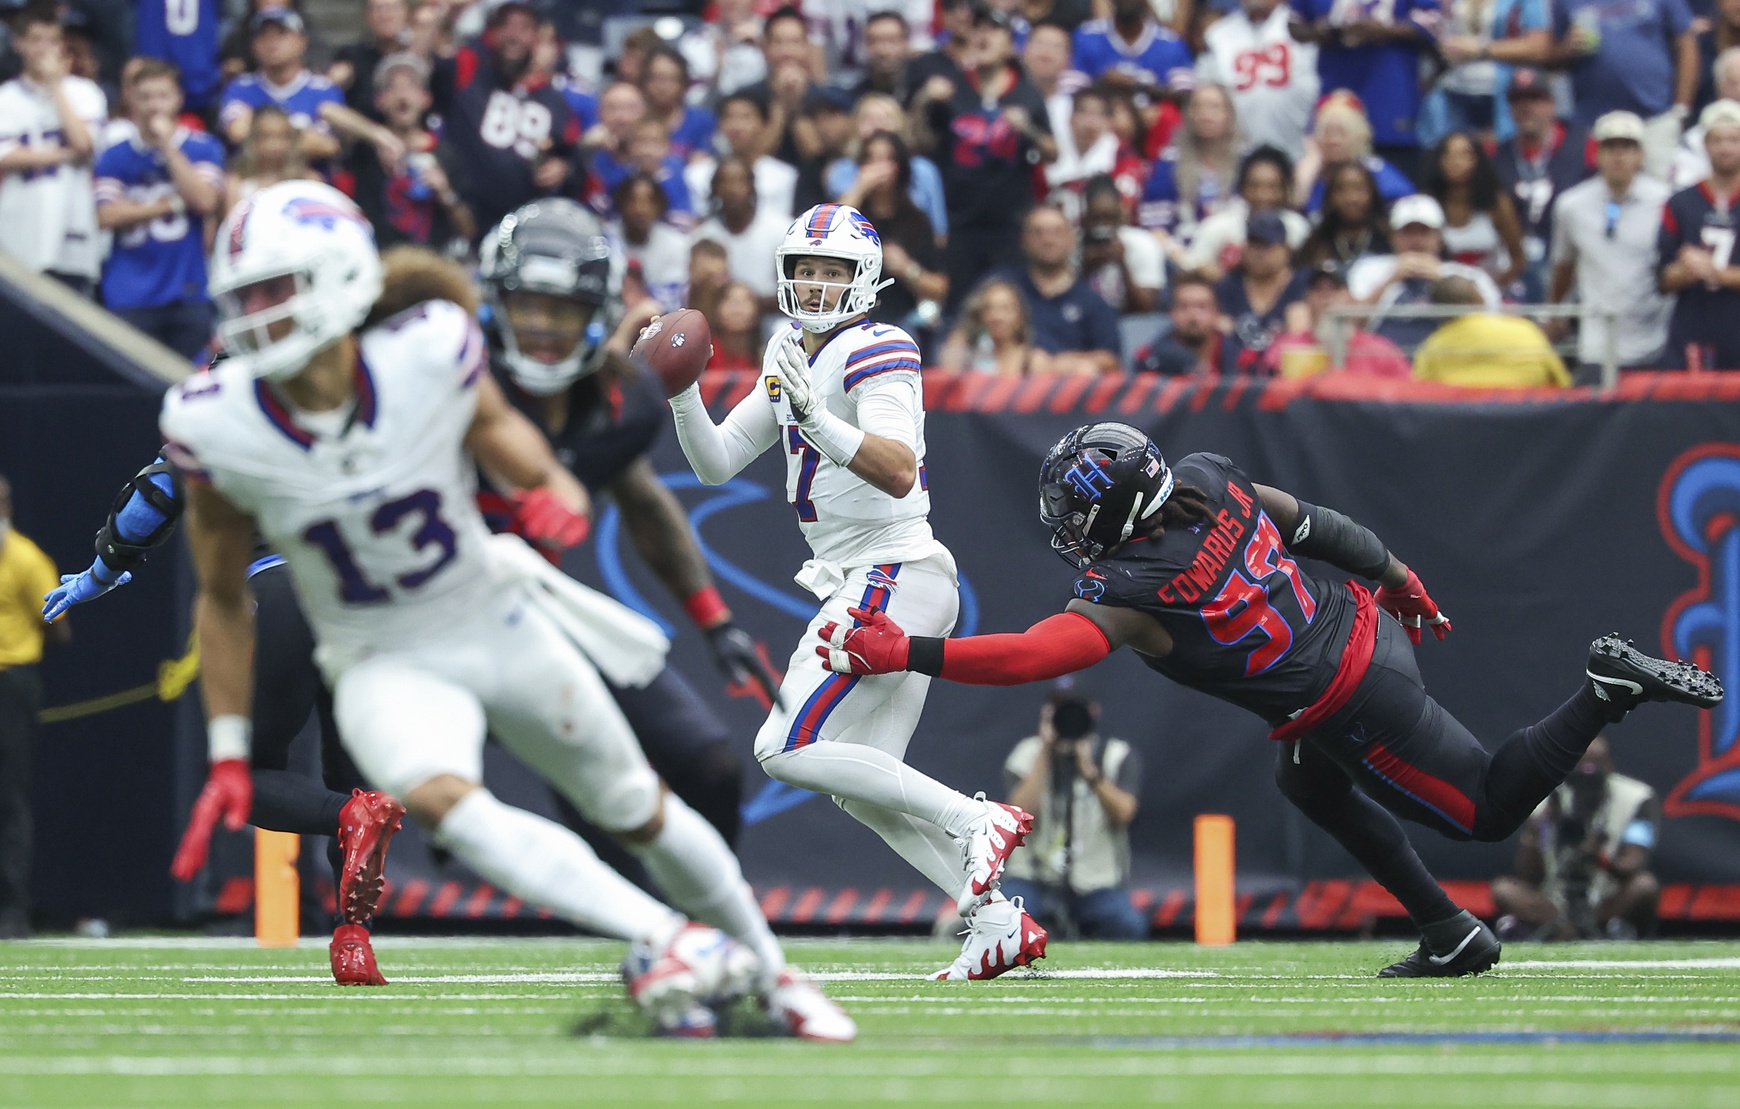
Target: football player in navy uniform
x=555, y=303
x=512, y=129
x=1192, y=567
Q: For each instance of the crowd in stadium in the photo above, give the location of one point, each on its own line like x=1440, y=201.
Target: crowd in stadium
x=1096, y=186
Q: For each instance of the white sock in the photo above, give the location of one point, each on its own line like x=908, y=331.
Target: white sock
x=694, y=868
x=928, y=848
x=545, y=864
x=855, y=772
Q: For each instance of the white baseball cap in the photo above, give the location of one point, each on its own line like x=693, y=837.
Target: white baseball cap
x=1721, y=113
x=1615, y=126
x=1418, y=208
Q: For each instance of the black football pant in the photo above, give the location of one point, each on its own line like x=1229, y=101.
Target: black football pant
x=1410, y=758
x=287, y=688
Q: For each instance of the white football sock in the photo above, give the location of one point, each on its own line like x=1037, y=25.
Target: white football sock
x=546, y=865
x=856, y=772
x=697, y=871
x=928, y=848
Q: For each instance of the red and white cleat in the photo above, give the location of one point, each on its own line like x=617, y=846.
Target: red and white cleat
x=678, y=981
x=987, y=845
x=806, y=1012
x=353, y=957
x=365, y=826
x=1000, y=937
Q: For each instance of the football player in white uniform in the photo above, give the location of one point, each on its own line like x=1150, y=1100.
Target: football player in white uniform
x=349, y=437
x=1272, y=78
x=841, y=398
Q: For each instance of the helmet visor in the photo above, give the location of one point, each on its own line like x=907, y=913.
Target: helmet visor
x=546, y=327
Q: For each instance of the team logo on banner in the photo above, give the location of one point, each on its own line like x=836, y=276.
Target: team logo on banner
x=1699, y=509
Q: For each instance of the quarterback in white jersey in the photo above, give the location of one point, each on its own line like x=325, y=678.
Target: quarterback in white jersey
x=840, y=397
x=353, y=452
x=1273, y=79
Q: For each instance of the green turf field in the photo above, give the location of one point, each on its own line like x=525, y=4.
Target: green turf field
x=174, y=1022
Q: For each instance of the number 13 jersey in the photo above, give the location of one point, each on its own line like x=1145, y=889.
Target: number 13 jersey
x=373, y=506
x=1248, y=625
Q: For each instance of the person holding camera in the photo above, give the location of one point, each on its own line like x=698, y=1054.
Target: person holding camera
x=1582, y=866
x=1081, y=789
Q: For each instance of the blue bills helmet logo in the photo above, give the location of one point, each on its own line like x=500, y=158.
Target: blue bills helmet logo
x=1698, y=506
x=865, y=228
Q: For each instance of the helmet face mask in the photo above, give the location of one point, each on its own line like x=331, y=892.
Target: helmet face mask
x=551, y=283
x=295, y=271
x=837, y=232
x=1096, y=485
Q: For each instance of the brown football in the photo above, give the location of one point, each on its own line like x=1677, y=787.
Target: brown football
x=677, y=346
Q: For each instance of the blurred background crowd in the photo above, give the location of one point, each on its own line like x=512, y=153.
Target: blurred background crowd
x=1477, y=192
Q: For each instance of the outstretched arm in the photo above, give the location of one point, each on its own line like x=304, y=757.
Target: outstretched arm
x=1062, y=644
x=551, y=508
x=142, y=518
x=718, y=452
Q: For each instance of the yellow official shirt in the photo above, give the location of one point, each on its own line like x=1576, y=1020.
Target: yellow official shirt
x=1486, y=351
x=26, y=575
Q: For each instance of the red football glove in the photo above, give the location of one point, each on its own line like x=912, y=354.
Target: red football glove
x=1409, y=603
x=547, y=523
x=878, y=647
x=228, y=792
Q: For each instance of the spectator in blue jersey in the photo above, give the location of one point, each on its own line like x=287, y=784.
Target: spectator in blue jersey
x=1342, y=133
x=1696, y=253
x=620, y=108
x=1133, y=50
x=155, y=190
x=986, y=135
x=1069, y=319
x=511, y=128
x=664, y=82
x=1256, y=296
x=282, y=78
x=414, y=201
x=1545, y=157
x=1638, y=57
x=388, y=32
x=1373, y=48
x=1197, y=172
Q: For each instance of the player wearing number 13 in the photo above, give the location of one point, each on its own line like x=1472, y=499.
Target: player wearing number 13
x=1191, y=566
x=347, y=427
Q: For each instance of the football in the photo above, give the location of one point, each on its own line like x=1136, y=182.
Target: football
x=677, y=346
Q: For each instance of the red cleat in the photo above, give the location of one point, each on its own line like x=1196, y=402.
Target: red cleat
x=365, y=826
x=353, y=958
x=1000, y=937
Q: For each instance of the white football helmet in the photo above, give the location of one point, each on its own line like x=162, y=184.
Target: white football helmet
x=314, y=236
x=832, y=231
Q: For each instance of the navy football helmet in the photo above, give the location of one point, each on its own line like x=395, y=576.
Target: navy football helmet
x=1096, y=484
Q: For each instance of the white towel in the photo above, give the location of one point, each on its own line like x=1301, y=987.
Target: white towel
x=627, y=648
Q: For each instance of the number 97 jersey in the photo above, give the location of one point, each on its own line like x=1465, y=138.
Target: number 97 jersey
x=1248, y=625
x=372, y=506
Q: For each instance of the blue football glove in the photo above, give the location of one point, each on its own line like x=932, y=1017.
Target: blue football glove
x=76, y=589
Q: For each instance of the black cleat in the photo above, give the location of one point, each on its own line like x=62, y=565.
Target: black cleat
x=1624, y=677
x=1477, y=952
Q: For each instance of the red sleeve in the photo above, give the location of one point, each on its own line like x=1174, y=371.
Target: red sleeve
x=1055, y=646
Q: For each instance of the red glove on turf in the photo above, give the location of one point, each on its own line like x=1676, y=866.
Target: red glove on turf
x=1409, y=603
x=877, y=647
x=547, y=523
x=229, y=793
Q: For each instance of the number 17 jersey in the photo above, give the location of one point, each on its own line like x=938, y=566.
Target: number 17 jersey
x=1248, y=625
x=373, y=507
